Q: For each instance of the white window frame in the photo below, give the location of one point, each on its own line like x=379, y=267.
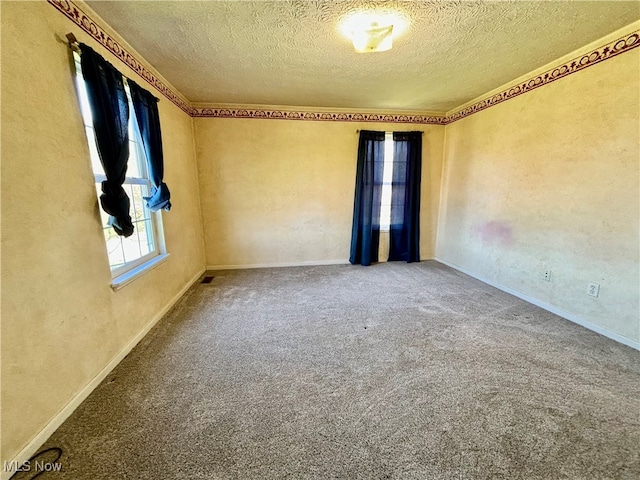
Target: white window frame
x=122, y=274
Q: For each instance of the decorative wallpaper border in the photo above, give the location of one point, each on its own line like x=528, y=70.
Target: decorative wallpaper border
x=609, y=50
x=222, y=112
x=80, y=18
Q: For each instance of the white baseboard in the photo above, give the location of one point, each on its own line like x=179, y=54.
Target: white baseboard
x=41, y=437
x=550, y=308
x=277, y=265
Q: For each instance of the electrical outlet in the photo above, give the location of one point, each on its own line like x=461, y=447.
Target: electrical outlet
x=593, y=289
x=546, y=275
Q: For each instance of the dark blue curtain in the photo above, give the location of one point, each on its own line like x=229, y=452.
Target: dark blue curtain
x=110, y=112
x=146, y=108
x=404, y=231
x=365, y=232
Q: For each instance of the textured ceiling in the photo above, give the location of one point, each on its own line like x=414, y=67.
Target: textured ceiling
x=292, y=53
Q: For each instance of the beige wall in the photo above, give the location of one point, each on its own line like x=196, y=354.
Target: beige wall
x=61, y=322
x=277, y=192
x=549, y=180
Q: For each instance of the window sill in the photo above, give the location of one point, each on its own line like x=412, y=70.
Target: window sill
x=126, y=278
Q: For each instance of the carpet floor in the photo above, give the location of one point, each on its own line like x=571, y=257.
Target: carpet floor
x=395, y=371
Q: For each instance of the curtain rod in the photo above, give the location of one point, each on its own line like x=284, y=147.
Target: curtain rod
x=75, y=46
x=73, y=42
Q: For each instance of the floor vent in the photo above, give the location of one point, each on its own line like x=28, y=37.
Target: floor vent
x=207, y=279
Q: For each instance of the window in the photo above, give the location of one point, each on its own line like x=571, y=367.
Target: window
x=387, y=181
x=387, y=196
x=131, y=254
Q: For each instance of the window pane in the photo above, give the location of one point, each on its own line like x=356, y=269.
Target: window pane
x=85, y=109
x=137, y=160
x=138, y=203
x=397, y=204
x=386, y=194
x=387, y=176
x=131, y=247
x=114, y=248
x=137, y=206
x=146, y=243
x=385, y=215
x=93, y=151
x=133, y=167
x=104, y=217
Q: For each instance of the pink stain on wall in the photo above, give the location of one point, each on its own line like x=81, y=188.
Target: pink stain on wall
x=496, y=233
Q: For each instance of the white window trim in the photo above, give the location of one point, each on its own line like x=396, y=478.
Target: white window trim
x=136, y=272
x=133, y=180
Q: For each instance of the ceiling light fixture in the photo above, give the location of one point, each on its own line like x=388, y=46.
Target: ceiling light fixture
x=373, y=39
x=373, y=31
